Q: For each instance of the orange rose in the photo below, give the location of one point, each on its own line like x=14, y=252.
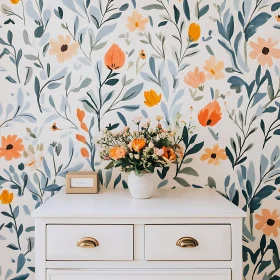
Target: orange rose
x=6, y=197
x=117, y=153
x=138, y=144
x=114, y=58
x=168, y=154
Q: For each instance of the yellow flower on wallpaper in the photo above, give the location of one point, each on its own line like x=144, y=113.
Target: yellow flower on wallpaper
x=152, y=98
x=214, y=68
x=264, y=51
x=11, y=147
x=136, y=22
x=195, y=79
x=6, y=197
x=62, y=48
x=268, y=222
x=194, y=32
x=15, y=1
x=214, y=155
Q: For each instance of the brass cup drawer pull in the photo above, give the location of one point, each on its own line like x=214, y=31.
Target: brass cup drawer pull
x=187, y=242
x=88, y=242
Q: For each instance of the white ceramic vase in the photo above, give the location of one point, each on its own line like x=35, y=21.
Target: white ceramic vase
x=142, y=186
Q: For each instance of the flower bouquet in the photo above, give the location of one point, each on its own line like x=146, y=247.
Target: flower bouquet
x=140, y=152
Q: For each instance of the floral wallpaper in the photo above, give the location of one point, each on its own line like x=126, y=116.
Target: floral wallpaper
x=71, y=68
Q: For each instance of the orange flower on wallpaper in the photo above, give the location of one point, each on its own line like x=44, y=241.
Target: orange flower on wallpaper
x=264, y=51
x=142, y=54
x=194, y=32
x=214, y=68
x=15, y=1
x=278, y=18
x=117, y=153
x=6, y=197
x=138, y=144
x=211, y=114
x=81, y=138
x=195, y=79
x=11, y=147
x=168, y=154
x=268, y=222
x=214, y=155
x=114, y=58
x=136, y=22
x=81, y=115
x=62, y=48
x=84, y=153
x=54, y=127
x=152, y=98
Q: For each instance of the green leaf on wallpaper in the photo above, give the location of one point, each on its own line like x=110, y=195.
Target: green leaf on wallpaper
x=10, y=37
x=163, y=23
x=21, y=277
x=275, y=7
x=255, y=23
x=212, y=183
x=112, y=82
x=52, y=188
x=20, y=262
x=189, y=171
x=182, y=182
x=124, y=7
x=203, y=11
x=114, y=16
x=11, y=80
x=259, y=196
x=133, y=92
x=13, y=247
x=176, y=14
x=117, y=180
x=263, y=266
x=186, y=9
x=122, y=118
x=153, y=7
x=195, y=149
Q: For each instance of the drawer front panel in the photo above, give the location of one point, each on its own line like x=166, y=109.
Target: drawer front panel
x=115, y=242
x=203, y=274
x=214, y=242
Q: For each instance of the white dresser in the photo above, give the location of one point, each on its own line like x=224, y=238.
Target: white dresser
x=186, y=234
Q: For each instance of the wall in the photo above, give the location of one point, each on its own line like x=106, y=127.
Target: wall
x=216, y=64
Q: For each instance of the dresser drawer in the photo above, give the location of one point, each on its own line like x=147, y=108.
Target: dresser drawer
x=151, y=274
x=96, y=242
x=188, y=242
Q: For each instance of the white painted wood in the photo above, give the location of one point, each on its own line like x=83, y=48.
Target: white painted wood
x=237, y=263
x=187, y=209
x=40, y=249
x=139, y=246
x=118, y=203
x=137, y=264
x=115, y=242
x=162, y=274
x=214, y=242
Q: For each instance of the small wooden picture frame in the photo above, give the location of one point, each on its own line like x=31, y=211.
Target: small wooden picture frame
x=82, y=182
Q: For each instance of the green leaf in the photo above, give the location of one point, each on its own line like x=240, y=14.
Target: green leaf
x=275, y=7
x=153, y=7
x=262, y=194
x=189, y=171
x=112, y=82
x=212, y=183
x=117, y=180
x=195, y=149
x=11, y=80
x=230, y=156
x=182, y=182
x=21, y=277
x=176, y=14
x=10, y=37
x=186, y=9
x=133, y=92
x=20, y=262
x=124, y=7
x=263, y=266
x=185, y=136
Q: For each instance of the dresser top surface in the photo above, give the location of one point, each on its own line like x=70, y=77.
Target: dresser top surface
x=166, y=203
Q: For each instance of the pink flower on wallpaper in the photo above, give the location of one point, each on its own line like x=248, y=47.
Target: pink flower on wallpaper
x=264, y=51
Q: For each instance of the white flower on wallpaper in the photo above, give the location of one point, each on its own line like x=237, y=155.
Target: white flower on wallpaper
x=71, y=68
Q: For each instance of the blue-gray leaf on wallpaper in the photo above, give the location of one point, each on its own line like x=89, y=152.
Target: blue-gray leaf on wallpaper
x=256, y=22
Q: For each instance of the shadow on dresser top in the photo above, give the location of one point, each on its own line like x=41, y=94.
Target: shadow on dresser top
x=166, y=203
